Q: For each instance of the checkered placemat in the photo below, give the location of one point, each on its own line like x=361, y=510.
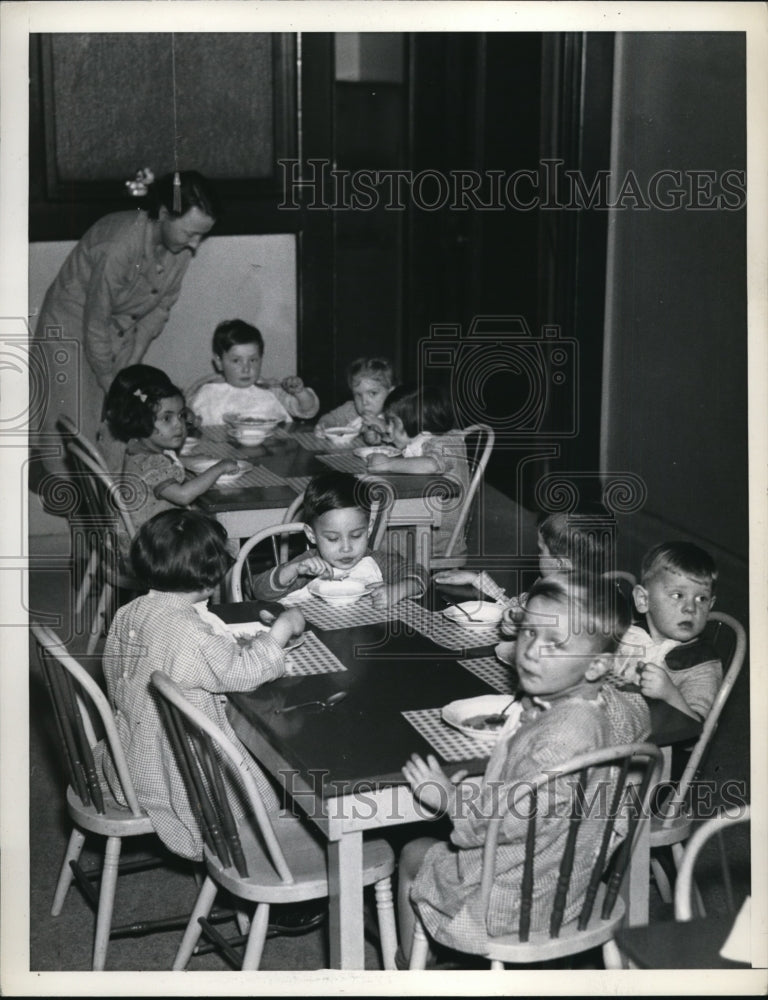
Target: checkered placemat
x=298, y=483
x=449, y=742
x=319, y=612
x=345, y=463
x=311, y=657
x=497, y=675
x=435, y=626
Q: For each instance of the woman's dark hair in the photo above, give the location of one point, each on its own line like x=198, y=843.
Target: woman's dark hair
x=235, y=331
x=334, y=491
x=425, y=409
x=180, y=551
x=133, y=398
x=196, y=192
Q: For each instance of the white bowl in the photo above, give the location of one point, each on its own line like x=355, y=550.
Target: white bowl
x=482, y=614
x=249, y=431
x=340, y=437
x=202, y=463
x=505, y=651
x=467, y=715
x=338, y=593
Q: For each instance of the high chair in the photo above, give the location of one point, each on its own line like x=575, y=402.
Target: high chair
x=264, y=861
x=672, y=829
x=602, y=910
x=91, y=806
x=478, y=442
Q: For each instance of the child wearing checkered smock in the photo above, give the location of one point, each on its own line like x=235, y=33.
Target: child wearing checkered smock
x=566, y=711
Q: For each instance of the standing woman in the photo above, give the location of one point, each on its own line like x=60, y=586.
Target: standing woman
x=113, y=295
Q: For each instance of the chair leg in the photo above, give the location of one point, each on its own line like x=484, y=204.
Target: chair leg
x=106, y=901
x=419, y=947
x=698, y=901
x=243, y=921
x=257, y=937
x=385, y=909
x=74, y=847
x=613, y=957
x=202, y=908
x=86, y=582
x=497, y=965
x=662, y=882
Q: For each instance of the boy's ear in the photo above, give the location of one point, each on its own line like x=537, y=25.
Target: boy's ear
x=310, y=535
x=216, y=362
x=598, y=667
x=640, y=595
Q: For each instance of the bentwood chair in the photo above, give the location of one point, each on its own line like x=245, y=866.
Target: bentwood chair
x=714, y=827
x=601, y=911
x=278, y=535
x=674, y=826
x=262, y=861
x=105, y=515
x=478, y=442
x=92, y=808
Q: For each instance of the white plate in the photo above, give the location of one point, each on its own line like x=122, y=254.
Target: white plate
x=338, y=593
x=483, y=614
x=340, y=436
x=248, y=629
x=458, y=713
x=377, y=449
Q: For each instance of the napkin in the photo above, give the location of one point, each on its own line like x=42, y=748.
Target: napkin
x=738, y=946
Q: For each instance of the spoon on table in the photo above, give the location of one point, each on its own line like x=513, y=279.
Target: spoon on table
x=465, y=613
x=329, y=702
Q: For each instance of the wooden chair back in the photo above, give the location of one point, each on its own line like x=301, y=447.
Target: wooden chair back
x=72, y=434
x=729, y=638
x=478, y=442
x=628, y=798
x=277, y=534
x=714, y=827
x=201, y=748
x=72, y=691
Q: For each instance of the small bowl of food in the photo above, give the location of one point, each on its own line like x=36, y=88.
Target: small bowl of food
x=202, y=463
x=338, y=593
x=248, y=431
x=483, y=717
x=474, y=614
x=340, y=437
x=377, y=449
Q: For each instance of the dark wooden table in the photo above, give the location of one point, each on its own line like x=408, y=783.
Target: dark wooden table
x=669, y=944
x=342, y=766
x=244, y=510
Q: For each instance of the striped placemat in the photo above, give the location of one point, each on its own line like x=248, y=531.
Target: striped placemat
x=346, y=462
x=451, y=744
x=257, y=476
x=298, y=483
x=307, y=440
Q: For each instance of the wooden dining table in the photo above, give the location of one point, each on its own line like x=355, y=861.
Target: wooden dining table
x=342, y=765
x=292, y=455
x=675, y=944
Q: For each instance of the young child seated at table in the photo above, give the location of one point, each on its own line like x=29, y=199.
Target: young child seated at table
x=420, y=424
x=150, y=415
x=666, y=654
x=181, y=556
x=238, y=353
x=370, y=380
x=337, y=514
x=579, y=542
x=562, y=657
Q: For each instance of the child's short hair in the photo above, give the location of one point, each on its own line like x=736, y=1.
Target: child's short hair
x=684, y=557
x=583, y=537
x=133, y=398
x=595, y=603
x=378, y=369
x=425, y=409
x=335, y=491
x=231, y=332
x=180, y=551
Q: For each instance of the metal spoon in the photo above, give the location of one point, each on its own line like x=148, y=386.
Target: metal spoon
x=498, y=718
x=329, y=702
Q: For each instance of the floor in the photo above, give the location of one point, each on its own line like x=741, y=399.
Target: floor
x=65, y=943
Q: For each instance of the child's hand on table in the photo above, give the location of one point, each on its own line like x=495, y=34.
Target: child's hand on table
x=287, y=625
x=293, y=385
x=457, y=577
x=225, y=466
x=377, y=462
x=429, y=783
